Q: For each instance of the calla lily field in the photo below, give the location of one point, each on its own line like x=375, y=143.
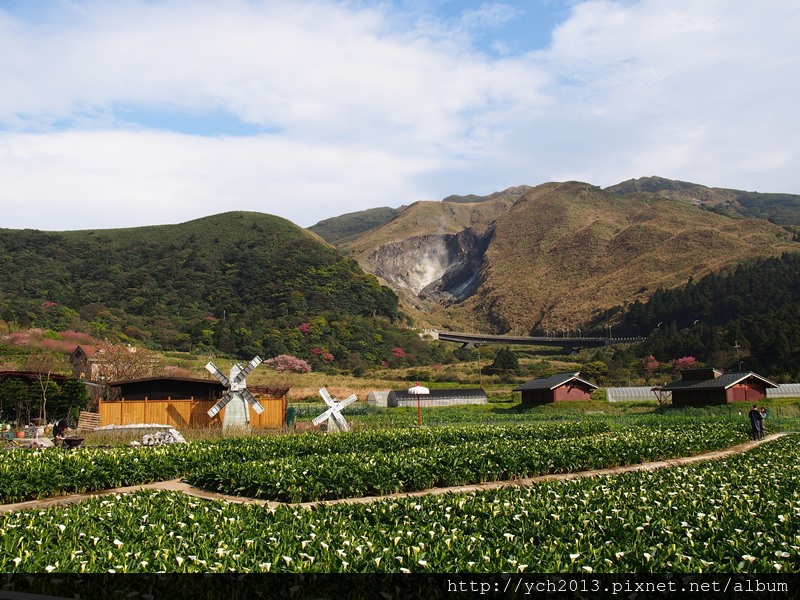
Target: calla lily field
x=740, y=513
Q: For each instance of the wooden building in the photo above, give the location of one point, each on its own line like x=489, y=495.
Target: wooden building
x=556, y=388
x=182, y=402
x=700, y=387
x=85, y=364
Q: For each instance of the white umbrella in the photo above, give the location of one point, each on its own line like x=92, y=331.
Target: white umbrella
x=419, y=390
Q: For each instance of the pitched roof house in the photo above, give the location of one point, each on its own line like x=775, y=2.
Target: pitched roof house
x=85, y=363
x=698, y=387
x=558, y=387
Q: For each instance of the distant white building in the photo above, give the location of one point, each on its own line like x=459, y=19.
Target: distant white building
x=631, y=394
x=784, y=390
x=378, y=398
x=645, y=394
x=436, y=397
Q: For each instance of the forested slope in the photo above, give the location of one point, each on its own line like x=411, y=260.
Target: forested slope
x=237, y=283
x=755, y=307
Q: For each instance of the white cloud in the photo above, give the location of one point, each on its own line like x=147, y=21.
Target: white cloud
x=312, y=69
x=126, y=178
x=699, y=90
x=360, y=110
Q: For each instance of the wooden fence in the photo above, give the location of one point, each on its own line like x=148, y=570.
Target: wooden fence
x=184, y=413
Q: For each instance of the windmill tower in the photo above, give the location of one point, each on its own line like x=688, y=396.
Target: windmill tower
x=238, y=398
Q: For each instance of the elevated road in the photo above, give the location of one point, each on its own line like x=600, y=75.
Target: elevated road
x=568, y=344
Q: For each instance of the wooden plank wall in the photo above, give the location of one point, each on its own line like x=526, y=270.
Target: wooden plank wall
x=185, y=413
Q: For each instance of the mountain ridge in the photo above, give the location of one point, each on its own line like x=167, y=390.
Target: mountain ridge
x=494, y=265
x=782, y=209
x=557, y=257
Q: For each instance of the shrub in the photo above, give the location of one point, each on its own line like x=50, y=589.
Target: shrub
x=288, y=363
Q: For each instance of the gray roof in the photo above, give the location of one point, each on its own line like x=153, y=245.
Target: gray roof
x=552, y=382
x=206, y=380
x=723, y=382
x=440, y=394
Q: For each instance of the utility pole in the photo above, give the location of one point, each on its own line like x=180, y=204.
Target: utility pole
x=480, y=370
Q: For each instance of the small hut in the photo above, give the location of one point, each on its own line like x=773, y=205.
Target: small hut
x=699, y=387
x=558, y=387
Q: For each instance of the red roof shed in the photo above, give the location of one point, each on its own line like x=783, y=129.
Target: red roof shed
x=562, y=386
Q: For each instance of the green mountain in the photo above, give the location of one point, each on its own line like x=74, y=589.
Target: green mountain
x=238, y=283
x=783, y=209
x=746, y=317
x=336, y=230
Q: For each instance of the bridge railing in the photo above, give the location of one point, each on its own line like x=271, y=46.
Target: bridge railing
x=454, y=336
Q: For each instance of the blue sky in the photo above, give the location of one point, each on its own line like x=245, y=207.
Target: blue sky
x=140, y=112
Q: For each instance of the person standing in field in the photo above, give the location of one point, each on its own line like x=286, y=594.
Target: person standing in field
x=756, y=422
x=763, y=421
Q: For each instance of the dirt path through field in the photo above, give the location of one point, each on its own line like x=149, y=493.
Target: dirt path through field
x=181, y=486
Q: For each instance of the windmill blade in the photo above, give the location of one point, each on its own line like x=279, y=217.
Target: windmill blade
x=347, y=401
x=322, y=418
x=212, y=368
x=214, y=410
x=248, y=369
x=252, y=400
x=326, y=396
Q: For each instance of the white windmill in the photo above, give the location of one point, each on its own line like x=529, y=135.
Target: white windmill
x=336, y=422
x=237, y=397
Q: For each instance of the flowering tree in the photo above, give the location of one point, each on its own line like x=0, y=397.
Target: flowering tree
x=118, y=362
x=286, y=363
x=650, y=364
x=685, y=363
x=175, y=371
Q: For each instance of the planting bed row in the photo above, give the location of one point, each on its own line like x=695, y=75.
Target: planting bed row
x=444, y=464
x=314, y=467
x=739, y=514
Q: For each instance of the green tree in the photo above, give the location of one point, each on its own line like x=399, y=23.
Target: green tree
x=73, y=398
x=17, y=401
x=505, y=365
x=596, y=371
